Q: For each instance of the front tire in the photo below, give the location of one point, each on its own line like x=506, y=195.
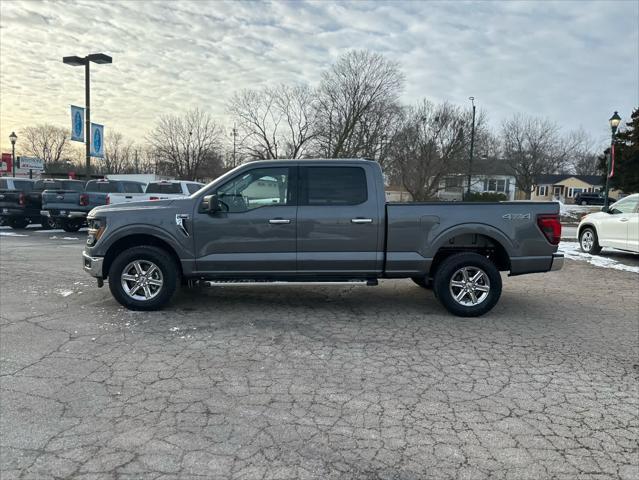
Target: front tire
x=589, y=242
x=144, y=278
x=18, y=223
x=47, y=223
x=468, y=284
x=583, y=202
x=71, y=226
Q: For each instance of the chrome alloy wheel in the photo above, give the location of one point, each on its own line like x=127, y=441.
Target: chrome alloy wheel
x=469, y=286
x=587, y=241
x=142, y=280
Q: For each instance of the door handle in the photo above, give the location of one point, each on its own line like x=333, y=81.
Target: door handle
x=279, y=221
x=361, y=220
x=623, y=219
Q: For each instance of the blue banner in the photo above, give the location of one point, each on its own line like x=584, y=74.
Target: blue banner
x=77, y=124
x=97, y=140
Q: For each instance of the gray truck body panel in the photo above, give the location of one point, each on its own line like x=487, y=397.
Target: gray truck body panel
x=368, y=240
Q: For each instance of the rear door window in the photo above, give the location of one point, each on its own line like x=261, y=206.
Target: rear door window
x=334, y=186
x=164, y=187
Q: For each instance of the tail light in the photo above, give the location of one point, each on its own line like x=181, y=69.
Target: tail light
x=84, y=200
x=154, y=198
x=550, y=226
x=108, y=200
x=21, y=199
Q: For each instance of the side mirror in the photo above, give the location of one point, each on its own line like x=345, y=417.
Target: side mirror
x=210, y=204
x=605, y=209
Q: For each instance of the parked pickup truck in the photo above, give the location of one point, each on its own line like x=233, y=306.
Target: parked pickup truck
x=168, y=189
x=317, y=220
x=69, y=208
x=21, y=200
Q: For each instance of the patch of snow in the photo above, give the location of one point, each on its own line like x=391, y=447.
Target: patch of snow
x=55, y=230
x=572, y=251
x=174, y=329
x=12, y=234
x=70, y=238
x=65, y=293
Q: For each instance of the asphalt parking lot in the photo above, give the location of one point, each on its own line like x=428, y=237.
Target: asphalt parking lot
x=314, y=381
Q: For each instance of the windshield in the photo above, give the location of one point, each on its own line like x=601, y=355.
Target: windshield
x=164, y=187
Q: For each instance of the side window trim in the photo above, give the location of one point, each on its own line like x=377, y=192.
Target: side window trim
x=293, y=181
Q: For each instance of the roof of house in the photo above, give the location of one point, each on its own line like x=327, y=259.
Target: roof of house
x=554, y=179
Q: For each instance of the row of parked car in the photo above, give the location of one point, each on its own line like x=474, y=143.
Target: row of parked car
x=63, y=203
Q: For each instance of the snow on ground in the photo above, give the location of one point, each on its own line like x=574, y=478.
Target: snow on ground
x=573, y=213
x=12, y=234
x=572, y=251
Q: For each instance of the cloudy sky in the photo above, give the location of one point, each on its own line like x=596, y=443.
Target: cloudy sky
x=574, y=62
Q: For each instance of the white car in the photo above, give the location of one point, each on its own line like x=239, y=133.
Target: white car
x=616, y=228
x=166, y=189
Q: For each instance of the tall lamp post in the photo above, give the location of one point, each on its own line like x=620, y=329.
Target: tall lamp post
x=99, y=58
x=13, y=138
x=615, y=120
x=472, y=148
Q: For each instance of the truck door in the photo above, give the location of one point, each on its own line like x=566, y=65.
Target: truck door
x=255, y=234
x=338, y=222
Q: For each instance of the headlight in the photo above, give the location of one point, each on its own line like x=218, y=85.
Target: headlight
x=96, y=229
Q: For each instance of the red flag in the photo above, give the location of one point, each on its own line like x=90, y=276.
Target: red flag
x=612, y=161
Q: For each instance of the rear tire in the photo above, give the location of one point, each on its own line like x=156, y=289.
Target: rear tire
x=47, y=223
x=468, y=284
x=71, y=226
x=589, y=242
x=159, y=269
x=583, y=202
x=18, y=223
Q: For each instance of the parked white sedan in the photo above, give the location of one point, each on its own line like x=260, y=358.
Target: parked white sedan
x=616, y=228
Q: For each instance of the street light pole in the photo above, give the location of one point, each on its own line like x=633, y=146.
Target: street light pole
x=75, y=61
x=615, y=120
x=472, y=148
x=13, y=138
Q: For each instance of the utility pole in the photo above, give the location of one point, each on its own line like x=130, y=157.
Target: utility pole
x=234, y=135
x=472, y=149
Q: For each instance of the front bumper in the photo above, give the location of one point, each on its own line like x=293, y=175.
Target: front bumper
x=92, y=265
x=557, y=262
x=63, y=214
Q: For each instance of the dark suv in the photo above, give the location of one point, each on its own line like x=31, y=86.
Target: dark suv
x=592, y=198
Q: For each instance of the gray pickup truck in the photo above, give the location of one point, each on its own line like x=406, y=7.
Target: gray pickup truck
x=317, y=220
x=68, y=208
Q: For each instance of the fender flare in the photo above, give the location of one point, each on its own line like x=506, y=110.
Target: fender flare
x=493, y=233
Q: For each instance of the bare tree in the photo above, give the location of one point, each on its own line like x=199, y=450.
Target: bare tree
x=183, y=146
x=532, y=147
x=274, y=122
x=118, y=153
x=355, y=94
x=429, y=146
x=583, y=156
x=45, y=141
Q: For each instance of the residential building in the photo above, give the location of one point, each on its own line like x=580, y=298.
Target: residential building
x=566, y=187
x=491, y=176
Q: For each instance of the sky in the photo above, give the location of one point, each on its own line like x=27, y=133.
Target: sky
x=574, y=62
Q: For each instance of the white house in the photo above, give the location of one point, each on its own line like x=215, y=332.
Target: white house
x=492, y=176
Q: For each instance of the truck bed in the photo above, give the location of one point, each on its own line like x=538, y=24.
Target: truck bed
x=415, y=232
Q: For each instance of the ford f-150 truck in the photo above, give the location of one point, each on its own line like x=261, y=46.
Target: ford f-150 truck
x=69, y=208
x=21, y=199
x=317, y=220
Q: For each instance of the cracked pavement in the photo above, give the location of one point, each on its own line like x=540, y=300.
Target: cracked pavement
x=290, y=382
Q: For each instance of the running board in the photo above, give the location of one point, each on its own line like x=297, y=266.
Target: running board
x=252, y=283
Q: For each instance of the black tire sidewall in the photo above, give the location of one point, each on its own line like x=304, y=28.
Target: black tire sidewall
x=164, y=261
x=595, y=244
x=71, y=226
x=453, y=263
x=18, y=223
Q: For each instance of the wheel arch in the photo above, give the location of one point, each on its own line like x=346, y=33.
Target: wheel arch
x=137, y=240
x=490, y=243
